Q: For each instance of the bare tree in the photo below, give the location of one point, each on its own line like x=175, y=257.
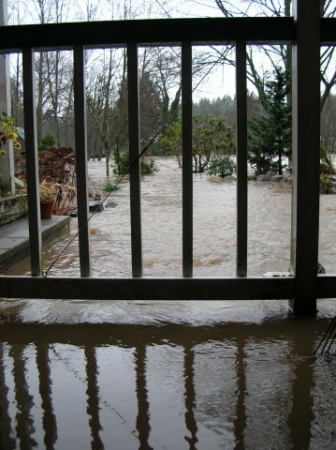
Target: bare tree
x=280, y=53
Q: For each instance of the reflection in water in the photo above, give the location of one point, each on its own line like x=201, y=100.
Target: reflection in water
x=49, y=419
x=6, y=440
x=142, y=421
x=240, y=419
x=24, y=401
x=190, y=398
x=93, y=397
x=274, y=396
x=301, y=416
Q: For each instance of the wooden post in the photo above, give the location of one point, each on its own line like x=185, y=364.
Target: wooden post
x=34, y=215
x=134, y=151
x=242, y=208
x=306, y=155
x=187, y=173
x=81, y=162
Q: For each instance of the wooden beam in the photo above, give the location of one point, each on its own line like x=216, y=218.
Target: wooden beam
x=153, y=31
x=148, y=288
x=81, y=162
x=34, y=215
x=306, y=155
x=187, y=166
x=242, y=207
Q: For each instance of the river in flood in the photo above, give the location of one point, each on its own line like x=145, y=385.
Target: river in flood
x=171, y=375
x=269, y=223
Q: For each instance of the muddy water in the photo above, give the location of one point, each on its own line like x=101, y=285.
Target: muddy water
x=269, y=222
x=233, y=384
x=214, y=226
x=171, y=375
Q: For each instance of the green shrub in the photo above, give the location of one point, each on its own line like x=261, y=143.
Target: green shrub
x=46, y=142
x=147, y=165
x=122, y=164
x=109, y=187
x=221, y=166
x=251, y=177
x=326, y=186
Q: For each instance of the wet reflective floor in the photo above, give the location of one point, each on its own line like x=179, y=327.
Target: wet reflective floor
x=178, y=375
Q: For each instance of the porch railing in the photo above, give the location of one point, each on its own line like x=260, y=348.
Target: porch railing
x=306, y=32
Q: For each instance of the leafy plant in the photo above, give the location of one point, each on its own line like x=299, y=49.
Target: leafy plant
x=46, y=142
x=48, y=190
x=57, y=163
x=147, y=165
x=221, y=166
x=109, y=187
x=211, y=137
x=8, y=132
x=326, y=164
x=122, y=163
x=326, y=185
x=63, y=195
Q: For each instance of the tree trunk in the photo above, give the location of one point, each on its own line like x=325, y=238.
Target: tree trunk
x=279, y=163
x=107, y=164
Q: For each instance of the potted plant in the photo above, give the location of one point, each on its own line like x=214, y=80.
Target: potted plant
x=48, y=193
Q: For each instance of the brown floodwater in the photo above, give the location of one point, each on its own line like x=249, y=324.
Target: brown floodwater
x=171, y=375
x=269, y=223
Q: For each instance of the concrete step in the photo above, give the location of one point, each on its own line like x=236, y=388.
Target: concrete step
x=14, y=238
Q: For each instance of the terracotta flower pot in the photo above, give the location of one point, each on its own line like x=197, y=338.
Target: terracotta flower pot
x=47, y=209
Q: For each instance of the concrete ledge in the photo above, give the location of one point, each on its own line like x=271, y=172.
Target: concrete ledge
x=14, y=238
x=12, y=208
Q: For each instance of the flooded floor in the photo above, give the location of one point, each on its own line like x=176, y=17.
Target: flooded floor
x=171, y=375
x=180, y=375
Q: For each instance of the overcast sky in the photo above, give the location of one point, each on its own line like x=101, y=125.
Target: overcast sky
x=221, y=79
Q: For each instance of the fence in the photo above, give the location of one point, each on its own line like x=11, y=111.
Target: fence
x=306, y=31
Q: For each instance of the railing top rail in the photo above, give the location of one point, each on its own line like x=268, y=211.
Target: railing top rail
x=151, y=31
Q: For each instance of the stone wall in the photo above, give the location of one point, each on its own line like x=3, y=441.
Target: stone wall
x=12, y=208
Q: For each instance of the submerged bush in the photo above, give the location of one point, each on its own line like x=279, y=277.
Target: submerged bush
x=326, y=185
x=147, y=165
x=109, y=187
x=222, y=166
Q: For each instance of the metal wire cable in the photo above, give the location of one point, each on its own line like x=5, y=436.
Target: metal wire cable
x=327, y=340
x=46, y=271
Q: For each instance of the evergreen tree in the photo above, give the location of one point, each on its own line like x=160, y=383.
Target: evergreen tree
x=270, y=135
x=211, y=138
